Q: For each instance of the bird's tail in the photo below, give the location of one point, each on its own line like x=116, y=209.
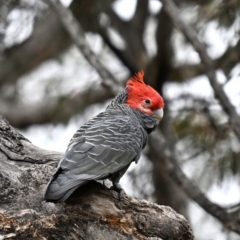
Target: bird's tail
x=60, y=188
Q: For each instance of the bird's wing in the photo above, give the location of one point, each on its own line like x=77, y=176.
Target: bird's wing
x=102, y=146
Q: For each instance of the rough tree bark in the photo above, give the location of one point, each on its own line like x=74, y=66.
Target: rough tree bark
x=94, y=212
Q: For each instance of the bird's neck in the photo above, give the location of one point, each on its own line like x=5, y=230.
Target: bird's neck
x=148, y=122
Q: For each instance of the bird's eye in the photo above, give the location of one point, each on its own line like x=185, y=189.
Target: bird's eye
x=147, y=101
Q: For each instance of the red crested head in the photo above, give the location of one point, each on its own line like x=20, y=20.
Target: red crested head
x=144, y=97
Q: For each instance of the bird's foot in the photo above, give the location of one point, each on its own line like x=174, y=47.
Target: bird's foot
x=117, y=187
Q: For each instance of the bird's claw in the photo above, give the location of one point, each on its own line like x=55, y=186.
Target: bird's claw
x=121, y=194
x=117, y=187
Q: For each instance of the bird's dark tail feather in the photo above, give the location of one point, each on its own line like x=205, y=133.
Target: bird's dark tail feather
x=58, y=196
x=60, y=188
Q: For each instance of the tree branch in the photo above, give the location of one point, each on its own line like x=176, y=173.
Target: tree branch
x=163, y=152
x=77, y=34
x=225, y=62
x=160, y=67
x=132, y=33
x=122, y=54
x=191, y=36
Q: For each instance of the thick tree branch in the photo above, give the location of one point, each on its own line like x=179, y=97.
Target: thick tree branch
x=164, y=152
x=190, y=34
x=94, y=212
x=77, y=34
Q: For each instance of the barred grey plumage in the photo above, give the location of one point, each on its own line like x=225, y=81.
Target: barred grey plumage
x=102, y=148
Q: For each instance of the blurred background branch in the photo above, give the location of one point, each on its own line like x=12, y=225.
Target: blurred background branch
x=210, y=71
x=78, y=36
x=163, y=152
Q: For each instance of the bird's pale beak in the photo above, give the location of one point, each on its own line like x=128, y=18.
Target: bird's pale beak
x=159, y=113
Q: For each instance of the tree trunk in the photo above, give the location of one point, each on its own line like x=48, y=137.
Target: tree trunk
x=93, y=212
